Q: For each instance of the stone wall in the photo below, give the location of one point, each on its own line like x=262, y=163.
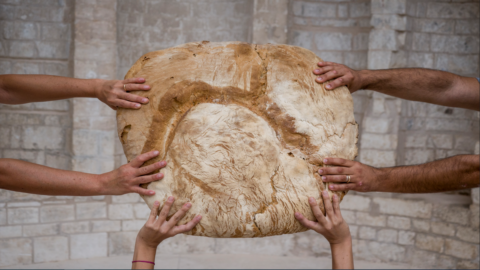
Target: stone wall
x=75, y=38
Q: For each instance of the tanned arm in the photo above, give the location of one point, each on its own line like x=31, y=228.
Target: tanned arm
x=458, y=172
x=417, y=84
x=19, y=89
x=27, y=177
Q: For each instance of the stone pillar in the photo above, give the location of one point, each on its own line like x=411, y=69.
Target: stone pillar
x=94, y=134
x=270, y=21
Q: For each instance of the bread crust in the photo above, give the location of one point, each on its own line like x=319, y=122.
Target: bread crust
x=244, y=129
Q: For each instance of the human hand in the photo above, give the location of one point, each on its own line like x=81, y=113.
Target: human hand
x=362, y=177
x=129, y=177
x=115, y=94
x=340, y=74
x=158, y=229
x=332, y=226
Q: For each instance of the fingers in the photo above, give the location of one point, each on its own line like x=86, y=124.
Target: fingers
x=179, y=215
x=316, y=210
x=153, y=212
x=332, y=74
x=328, y=204
x=306, y=222
x=148, y=178
x=151, y=168
x=336, y=205
x=343, y=187
x=165, y=210
x=335, y=171
x=339, y=162
x=337, y=82
x=140, y=159
x=126, y=104
x=143, y=191
x=336, y=178
x=325, y=63
x=134, y=84
x=132, y=97
x=320, y=71
x=187, y=227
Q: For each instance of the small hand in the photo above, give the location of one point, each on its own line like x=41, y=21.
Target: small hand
x=114, y=93
x=332, y=226
x=340, y=74
x=362, y=177
x=129, y=177
x=158, y=229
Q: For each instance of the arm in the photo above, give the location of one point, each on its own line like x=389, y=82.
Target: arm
x=27, y=177
x=458, y=172
x=158, y=229
x=417, y=84
x=333, y=227
x=19, y=89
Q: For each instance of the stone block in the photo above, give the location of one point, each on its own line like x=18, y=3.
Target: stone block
x=467, y=264
x=468, y=234
x=25, y=68
x=40, y=230
x=371, y=220
x=122, y=243
x=465, y=142
x=55, y=213
x=453, y=10
x=360, y=9
x=406, y=237
x=379, y=141
x=451, y=214
x=56, y=31
x=5, y=66
x=281, y=245
x=376, y=124
x=469, y=27
x=106, y=226
x=75, y=227
x=390, y=206
x=132, y=225
x=463, y=64
x=356, y=202
x=424, y=258
x=91, y=210
x=127, y=198
x=444, y=141
x=474, y=215
x=445, y=262
x=421, y=42
x=49, y=249
x=460, y=249
x=307, y=9
x=10, y=231
x=353, y=230
x=387, y=235
x=91, y=245
x=22, y=215
x=21, y=30
x=378, y=158
x=57, y=161
x=356, y=60
x=383, y=39
x=443, y=228
x=437, y=26
x=389, y=6
x=360, y=42
x=418, y=156
x=431, y=243
x=43, y=138
x=24, y=49
x=379, y=59
x=15, y=251
x=367, y=233
x=422, y=60
x=85, y=143
x=387, y=252
x=349, y=216
x=395, y=22
x=336, y=57
x=416, y=140
x=333, y=41
x=120, y=211
x=342, y=10
x=142, y=211
x=85, y=164
x=398, y=222
x=3, y=216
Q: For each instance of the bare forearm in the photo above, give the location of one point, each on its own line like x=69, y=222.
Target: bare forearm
x=426, y=85
x=27, y=177
x=342, y=257
x=18, y=89
x=458, y=172
x=143, y=253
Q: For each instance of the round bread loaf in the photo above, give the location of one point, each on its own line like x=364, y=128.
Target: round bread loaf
x=244, y=129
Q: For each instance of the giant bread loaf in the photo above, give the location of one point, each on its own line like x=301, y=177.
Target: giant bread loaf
x=244, y=129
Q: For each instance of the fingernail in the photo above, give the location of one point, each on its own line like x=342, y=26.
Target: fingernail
x=146, y=87
x=311, y=199
x=335, y=196
x=137, y=105
x=297, y=215
x=329, y=86
x=324, y=178
x=144, y=100
x=156, y=203
x=198, y=217
x=160, y=175
x=151, y=192
x=155, y=152
x=170, y=199
x=320, y=78
x=317, y=70
x=325, y=160
x=163, y=163
x=325, y=192
x=320, y=171
x=331, y=187
x=188, y=205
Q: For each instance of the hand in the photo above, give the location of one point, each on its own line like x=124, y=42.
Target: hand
x=158, y=229
x=362, y=177
x=332, y=226
x=114, y=95
x=340, y=74
x=129, y=177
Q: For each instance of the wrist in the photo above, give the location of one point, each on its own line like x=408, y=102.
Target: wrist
x=364, y=78
x=101, y=184
x=97, y=87
x=343, y=243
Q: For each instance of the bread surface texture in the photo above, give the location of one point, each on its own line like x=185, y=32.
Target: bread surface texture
x=244, y=129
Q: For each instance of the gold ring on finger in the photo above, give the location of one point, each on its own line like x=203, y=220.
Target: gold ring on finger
x=124, y=88
x=348, y=179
